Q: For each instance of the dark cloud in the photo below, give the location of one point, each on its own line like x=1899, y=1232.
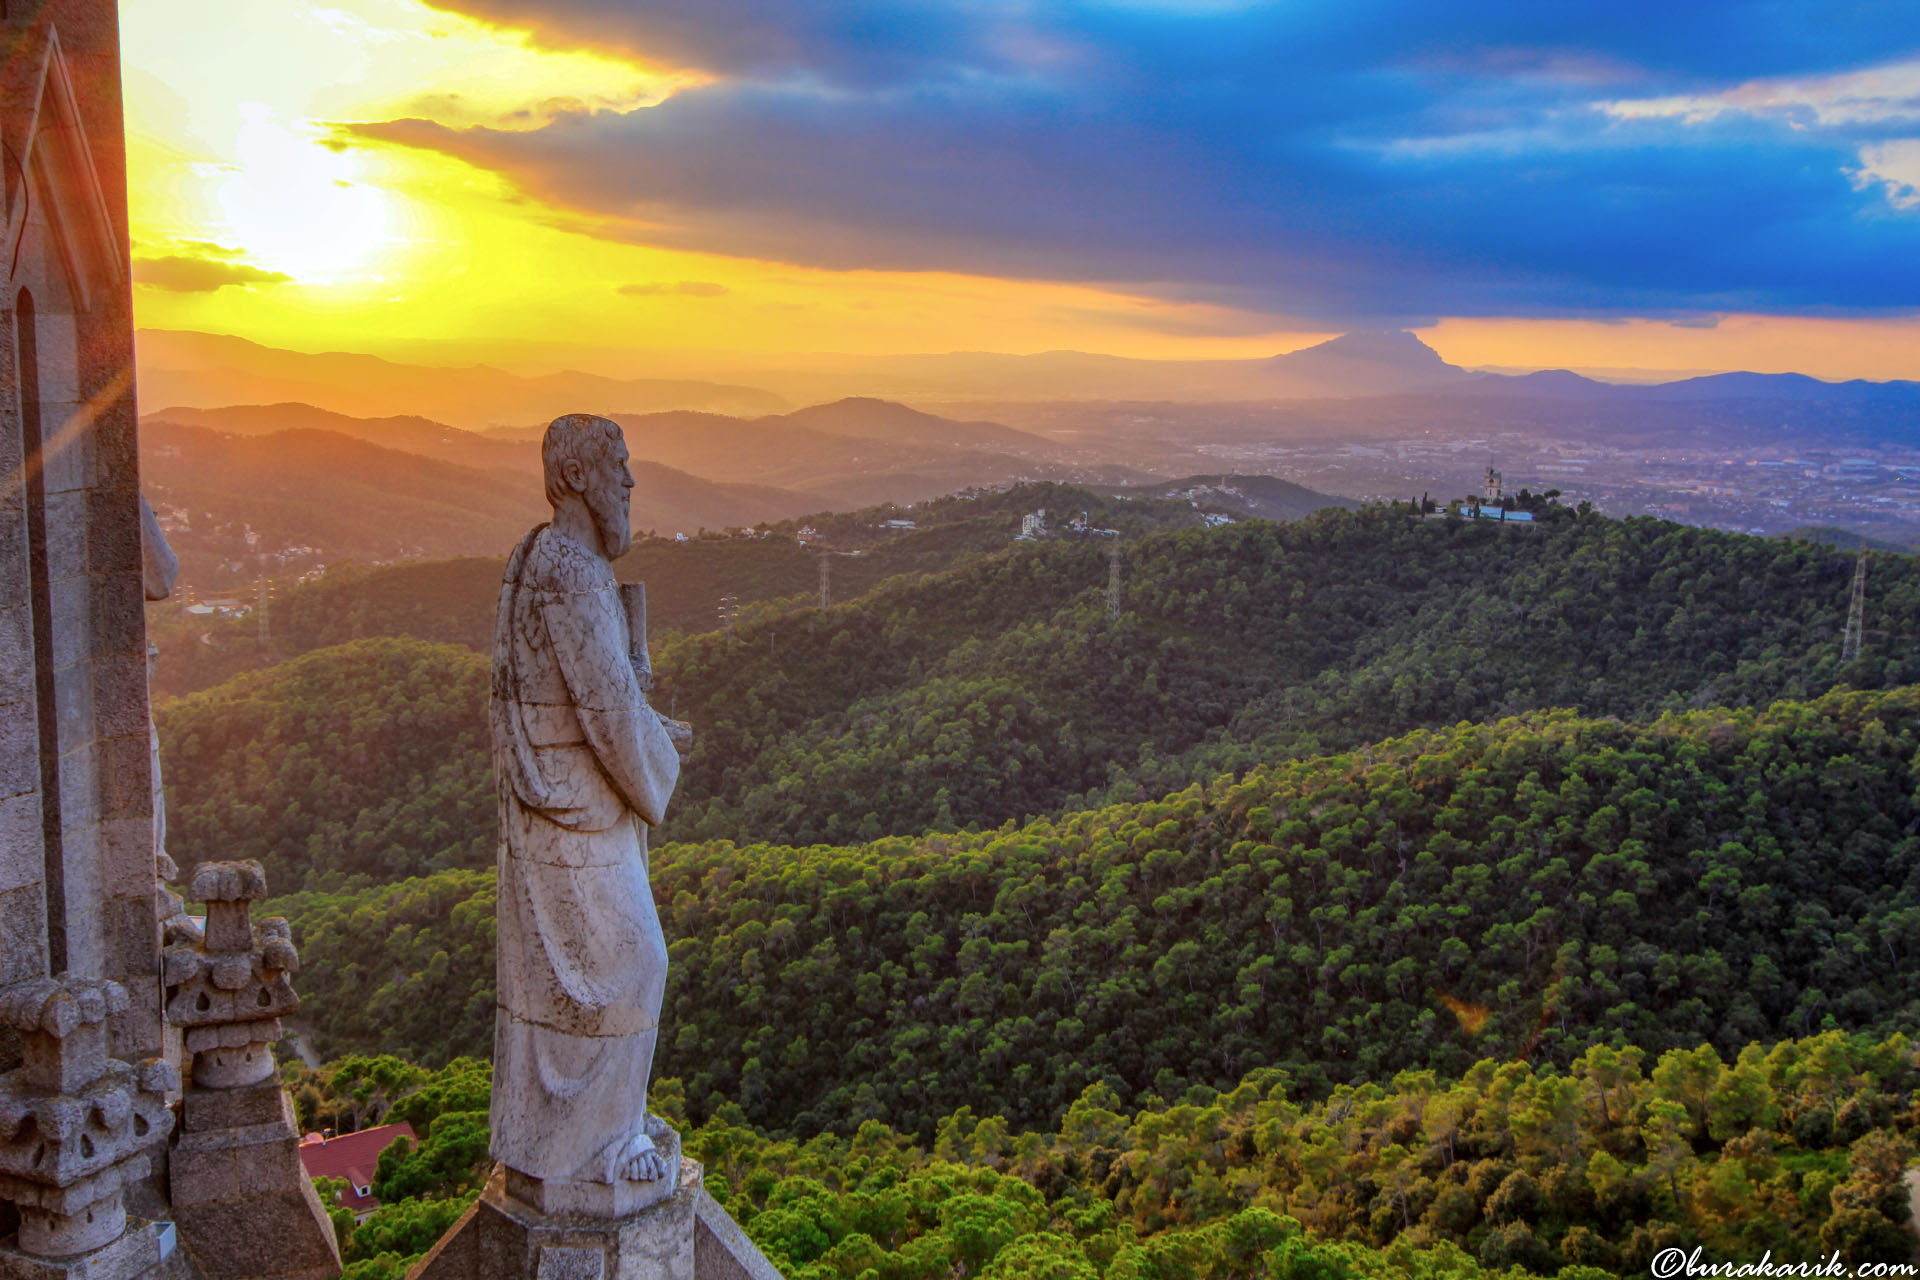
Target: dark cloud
x=1341, y=163
x=855, y=41
x=870, y=42
x=685, y=288
x=203, y=269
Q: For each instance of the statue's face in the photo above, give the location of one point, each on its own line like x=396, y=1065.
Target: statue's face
x=609, y=495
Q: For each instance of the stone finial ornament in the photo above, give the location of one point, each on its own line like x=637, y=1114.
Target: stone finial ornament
x=230, y=990
x=75, y=1124
x=244, y=1205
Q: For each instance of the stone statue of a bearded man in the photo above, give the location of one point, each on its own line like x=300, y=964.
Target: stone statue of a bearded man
x=584, y=766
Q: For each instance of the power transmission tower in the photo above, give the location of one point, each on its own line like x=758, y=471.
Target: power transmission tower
x=729, y=607
x=1113, y=579
x=1856, y=610
x=260, y=607
x=826, y=574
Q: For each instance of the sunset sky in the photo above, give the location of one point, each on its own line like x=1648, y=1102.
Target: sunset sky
x=626, y=184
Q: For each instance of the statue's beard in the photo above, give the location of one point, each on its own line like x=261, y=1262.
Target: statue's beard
x=613, y=520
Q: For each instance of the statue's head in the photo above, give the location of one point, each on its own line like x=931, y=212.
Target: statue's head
x=585, y=461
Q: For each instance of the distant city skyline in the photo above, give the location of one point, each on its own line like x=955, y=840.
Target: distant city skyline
x=621, y=186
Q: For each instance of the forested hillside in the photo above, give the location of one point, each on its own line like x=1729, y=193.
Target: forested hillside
x=1007, y=688
x=692, y=585
x=1002, y=687
x=1520, y=890
x=1793, y=1149
x=1272, y=986
x=369, y=761
x=1585, y=1169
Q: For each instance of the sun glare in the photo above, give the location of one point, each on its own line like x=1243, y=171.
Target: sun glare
x=231, y=147
x=297, y=207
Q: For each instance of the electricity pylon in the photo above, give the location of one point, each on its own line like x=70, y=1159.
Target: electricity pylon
x=1856, y=611
x=1113, y=579
x=826, y=574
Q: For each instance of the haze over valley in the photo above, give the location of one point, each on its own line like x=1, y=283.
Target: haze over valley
x=1368, y=417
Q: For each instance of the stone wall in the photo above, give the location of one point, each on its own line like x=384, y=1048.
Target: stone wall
x=76, y=847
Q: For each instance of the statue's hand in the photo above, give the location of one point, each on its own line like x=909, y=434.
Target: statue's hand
x=680, y=734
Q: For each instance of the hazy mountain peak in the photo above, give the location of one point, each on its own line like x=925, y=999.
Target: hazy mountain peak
x=868, y=408
x=1365, y=362
x=1393, y=346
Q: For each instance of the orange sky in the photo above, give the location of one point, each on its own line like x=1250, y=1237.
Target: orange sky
x=251, y=217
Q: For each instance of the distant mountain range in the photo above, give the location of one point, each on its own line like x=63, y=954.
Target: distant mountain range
x=1393, y=386
x=846, y=454
x=1366, y=364
x=699, y=468
x=416, y=435
x=1382, y=364
x=1793, y=388
x=235, y=497
x=1369, y=363
x=860, y=451
x=347, y=498
x=284, y=447
x=257, y=479
x=208, y=370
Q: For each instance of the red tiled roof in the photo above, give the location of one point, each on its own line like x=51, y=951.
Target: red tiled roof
x=352, y=1157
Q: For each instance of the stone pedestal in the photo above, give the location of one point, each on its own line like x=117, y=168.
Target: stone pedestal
x=683, y=1234
x=564, y=1198
x=721, y=1250
x=243, y=1202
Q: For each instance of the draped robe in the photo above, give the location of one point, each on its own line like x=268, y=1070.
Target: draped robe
x=583, y=768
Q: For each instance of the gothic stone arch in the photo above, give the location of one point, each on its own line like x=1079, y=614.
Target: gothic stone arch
x=76, y=843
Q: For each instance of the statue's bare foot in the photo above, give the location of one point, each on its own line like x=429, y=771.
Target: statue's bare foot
x=640, y=1162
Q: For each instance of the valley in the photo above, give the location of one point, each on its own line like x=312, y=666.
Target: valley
x=1100, y=812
